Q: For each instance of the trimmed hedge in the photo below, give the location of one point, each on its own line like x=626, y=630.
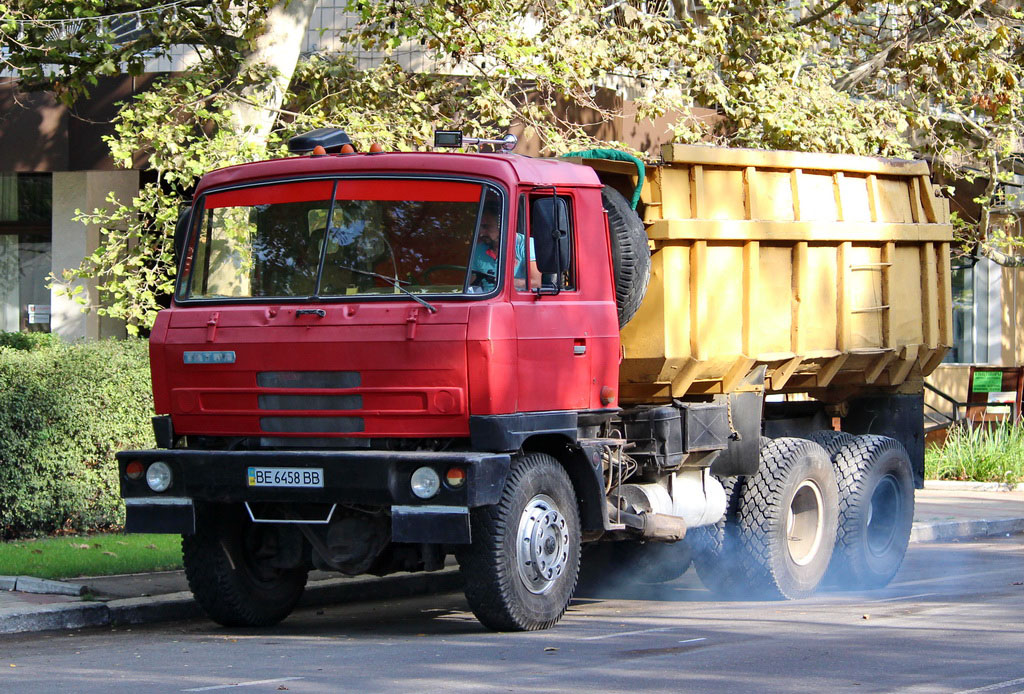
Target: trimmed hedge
x=65, y=409
x=28, y=341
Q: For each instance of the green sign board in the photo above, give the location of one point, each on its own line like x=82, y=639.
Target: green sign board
x=987, y=382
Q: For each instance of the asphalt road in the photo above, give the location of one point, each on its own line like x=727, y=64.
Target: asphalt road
x=952, y=623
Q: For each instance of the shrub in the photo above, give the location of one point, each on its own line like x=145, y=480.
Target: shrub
x=65, y=409
x=28, y=341
x=981, y=455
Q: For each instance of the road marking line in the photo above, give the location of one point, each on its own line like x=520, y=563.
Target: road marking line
x=243, y=684
x=993, y=687
x=905, y=597
x=629, y=633
x=693, y=640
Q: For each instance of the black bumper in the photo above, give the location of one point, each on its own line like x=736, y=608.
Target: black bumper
x=380, y=478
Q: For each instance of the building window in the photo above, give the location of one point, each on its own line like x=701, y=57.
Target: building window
x=962, y=351
x=977, y=313
x=25, y=251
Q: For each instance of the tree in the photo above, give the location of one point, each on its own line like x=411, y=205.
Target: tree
x=939, y=78
x=221, y=113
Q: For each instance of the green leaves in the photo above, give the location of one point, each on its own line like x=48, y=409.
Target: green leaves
x=65, y=409
x=935, y=78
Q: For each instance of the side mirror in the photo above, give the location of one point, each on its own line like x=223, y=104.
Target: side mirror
x=181, y=234
x=549, y=229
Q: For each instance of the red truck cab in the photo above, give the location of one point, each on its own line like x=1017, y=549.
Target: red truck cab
x=353, y=359
x=379, y=363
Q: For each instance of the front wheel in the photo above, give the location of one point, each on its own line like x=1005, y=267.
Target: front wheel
x=522, y=566
x=231, y=571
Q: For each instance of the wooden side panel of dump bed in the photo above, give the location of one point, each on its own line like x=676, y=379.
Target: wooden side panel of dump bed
x=830, y=270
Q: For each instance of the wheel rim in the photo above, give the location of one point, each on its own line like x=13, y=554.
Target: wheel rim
x=883, y=514
x=542, y=544
x=805, y=523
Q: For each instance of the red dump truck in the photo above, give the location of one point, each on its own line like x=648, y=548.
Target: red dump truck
x=374, y=361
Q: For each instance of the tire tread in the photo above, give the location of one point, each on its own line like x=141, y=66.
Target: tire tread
x=853, y=464
x=631, y=259
x=489, y=588
x=217, y=588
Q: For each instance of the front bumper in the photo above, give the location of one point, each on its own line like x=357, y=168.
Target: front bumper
x=368, y=478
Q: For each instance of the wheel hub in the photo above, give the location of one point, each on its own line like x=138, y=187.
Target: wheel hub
x=542, y=544
x=884, y=510
x=805, y=523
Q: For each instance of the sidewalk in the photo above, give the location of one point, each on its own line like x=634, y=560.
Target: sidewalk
x=942, y=512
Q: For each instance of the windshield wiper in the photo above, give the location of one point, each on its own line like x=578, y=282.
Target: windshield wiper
x=394, y=282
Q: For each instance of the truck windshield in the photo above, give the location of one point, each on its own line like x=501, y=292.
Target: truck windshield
x=275, y=240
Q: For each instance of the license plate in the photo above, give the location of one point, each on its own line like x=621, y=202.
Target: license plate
x=286, y=477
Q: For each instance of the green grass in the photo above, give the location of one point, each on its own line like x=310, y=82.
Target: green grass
x=978, y=455
x=103, y=554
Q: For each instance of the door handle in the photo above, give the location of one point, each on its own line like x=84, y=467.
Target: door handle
x=310, y=312
x=579, y=347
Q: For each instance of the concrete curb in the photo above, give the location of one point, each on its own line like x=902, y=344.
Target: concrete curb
x=75, y=615
x=179, y=606
x=961, y=530
x=954, y=486
x=44, y=586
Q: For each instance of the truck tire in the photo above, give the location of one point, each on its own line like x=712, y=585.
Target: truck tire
x=715, y=547
x=876, y=511
x=831, y=441
x=631, y=256
x=632, y=561
x=231, y=581
x=787, y=518
x=657, y=562
x=522, y=566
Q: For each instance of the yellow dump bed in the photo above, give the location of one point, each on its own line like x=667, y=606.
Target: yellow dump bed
x=830, y=270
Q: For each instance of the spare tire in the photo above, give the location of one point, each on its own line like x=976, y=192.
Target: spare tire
x=631, y=257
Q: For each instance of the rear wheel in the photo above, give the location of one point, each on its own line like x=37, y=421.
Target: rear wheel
x=876, y=502
x=230, y=567
x=632, y=561
x=787, y=518
x=715, y=546
x=522, y=567
x=832, y=441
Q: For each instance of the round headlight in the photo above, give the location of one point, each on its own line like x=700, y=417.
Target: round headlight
x=425, y=482
x=158, y=476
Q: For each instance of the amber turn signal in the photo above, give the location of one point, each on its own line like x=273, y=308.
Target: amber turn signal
x=455, y=477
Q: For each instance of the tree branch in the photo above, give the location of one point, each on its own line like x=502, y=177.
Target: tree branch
x=1000, y=258
x=823, y=12
x=875, y=63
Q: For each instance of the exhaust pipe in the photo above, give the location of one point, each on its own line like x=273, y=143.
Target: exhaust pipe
x=652, y=526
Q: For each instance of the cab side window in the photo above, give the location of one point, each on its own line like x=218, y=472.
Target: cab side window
x=552, y=239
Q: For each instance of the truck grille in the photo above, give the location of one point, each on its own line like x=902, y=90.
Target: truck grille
x=311, y=402
x=309, y=379
x=312, y=425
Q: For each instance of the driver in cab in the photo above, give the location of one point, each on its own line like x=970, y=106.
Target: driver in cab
x=484, y=263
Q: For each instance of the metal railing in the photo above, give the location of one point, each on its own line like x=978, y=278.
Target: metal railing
x=941, y=419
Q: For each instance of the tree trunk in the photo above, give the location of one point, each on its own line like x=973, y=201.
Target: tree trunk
x=277, y=50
